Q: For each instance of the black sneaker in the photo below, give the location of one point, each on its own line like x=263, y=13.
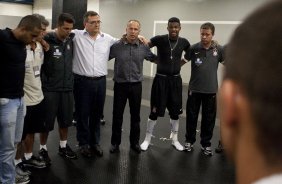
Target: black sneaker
x=136, y=148
x=188, y=147
x=43, y=155
x=22, y=170
x=67, y=152
x=21, y=179
x=219, y=148
x=85, y=151
x=102, y=121
x=96, y=150
x=34, y=162
x=207, y=151
x=114, y=149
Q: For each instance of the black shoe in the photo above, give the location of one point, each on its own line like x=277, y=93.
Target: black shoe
x=67, y=152
x=136, y=148
x=43, y=155
x=34, y=162
x=102, y=121
x=21, y=179
x=74, y=122
x=114, y=149
x=207, y=151
x=22, y=170
x=97, y=150
x=219, y=148
x=84, y=151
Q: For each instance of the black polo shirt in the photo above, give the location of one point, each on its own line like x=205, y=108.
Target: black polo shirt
x=204, y=65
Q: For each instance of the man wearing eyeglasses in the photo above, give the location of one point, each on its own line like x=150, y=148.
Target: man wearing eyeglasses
x=91, y=54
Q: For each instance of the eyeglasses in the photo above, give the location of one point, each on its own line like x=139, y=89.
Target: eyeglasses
x=94, y=22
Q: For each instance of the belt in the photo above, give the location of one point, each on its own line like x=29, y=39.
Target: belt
x=89, y=78
x=176, y=75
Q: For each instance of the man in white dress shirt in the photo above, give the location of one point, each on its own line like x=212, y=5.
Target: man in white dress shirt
x=251, y=99
x=91, y=54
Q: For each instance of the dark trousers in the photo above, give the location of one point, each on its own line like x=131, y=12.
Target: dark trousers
x=208, y=102
x=122, y=92
x=89, y=94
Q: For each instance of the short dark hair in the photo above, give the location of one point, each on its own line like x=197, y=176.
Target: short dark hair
x=173, y=19
x=30, y=22
x=89, y=13
x=44, y=21
x=254, y=62
x=65, y=17
x=208, y=25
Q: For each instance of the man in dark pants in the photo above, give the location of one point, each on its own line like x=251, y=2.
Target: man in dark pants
x=203, y=87
x=129, y=56
x=57, y=85
x=12, y=111
x=91, y=54
x=167, y=85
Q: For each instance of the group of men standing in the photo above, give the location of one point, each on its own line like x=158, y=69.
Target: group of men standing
x=66, y=65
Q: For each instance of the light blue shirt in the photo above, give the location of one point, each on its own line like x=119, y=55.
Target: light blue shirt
x=91, y=56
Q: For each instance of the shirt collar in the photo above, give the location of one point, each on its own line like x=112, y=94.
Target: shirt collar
x=99, y=35
x=136, y=42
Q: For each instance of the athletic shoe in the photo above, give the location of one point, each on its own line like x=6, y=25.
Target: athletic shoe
x=67, y=152
x=22, y=170
x=207, y=151
x=43, y=155
x=219, y=148
x=188, y=147
x=34, y=162
x=21, y=179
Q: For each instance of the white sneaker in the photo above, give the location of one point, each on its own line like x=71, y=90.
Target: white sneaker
x=144, y=146
x=177, y=145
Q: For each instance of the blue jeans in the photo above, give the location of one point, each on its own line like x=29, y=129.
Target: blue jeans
x=12, y=112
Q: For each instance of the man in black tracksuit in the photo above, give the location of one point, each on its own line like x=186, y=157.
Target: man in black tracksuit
x=57, y=85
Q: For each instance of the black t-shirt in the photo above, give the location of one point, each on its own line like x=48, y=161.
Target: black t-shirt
x=170, y=53
x=12, y=65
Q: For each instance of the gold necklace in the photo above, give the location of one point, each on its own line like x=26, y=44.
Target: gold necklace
x=172, y=48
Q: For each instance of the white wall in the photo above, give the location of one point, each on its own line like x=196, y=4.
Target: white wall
x=11, y=14
x=43, y=7
x=12, y=9
x=93, y=5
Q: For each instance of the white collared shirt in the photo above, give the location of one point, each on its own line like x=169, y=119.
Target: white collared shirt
x=91, y=56
x=273, y=179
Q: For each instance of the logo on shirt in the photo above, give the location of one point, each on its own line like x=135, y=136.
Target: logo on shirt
x=198, y=62
x=57, y=53
x=214, y=52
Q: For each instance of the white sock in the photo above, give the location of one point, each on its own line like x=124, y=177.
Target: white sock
x=27, y=156
x=63, y=144
x=43, y=146
x=17, y=161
